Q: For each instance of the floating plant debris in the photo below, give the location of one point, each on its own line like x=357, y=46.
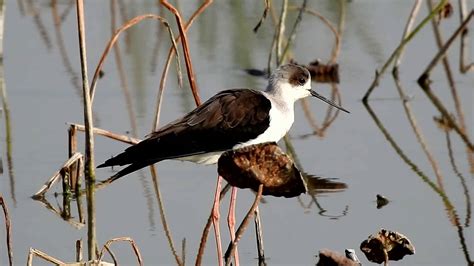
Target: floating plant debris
x=381, y=201
x=265, y=164
x=386, y=245
x=324, y=73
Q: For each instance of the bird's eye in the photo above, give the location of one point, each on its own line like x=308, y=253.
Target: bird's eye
x=301, y=81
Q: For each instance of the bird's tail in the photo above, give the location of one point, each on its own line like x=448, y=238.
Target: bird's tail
x=127, y=170
x=121, y=159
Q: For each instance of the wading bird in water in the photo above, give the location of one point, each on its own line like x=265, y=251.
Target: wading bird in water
x=231, y=119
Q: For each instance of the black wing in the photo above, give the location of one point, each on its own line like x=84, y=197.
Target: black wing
x=230, y=117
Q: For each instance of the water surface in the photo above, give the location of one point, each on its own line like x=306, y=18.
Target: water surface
x=42, y=73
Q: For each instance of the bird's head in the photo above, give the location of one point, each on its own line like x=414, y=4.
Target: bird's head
x=293, y=82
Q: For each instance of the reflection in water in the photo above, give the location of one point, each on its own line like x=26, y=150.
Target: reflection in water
x=417, y=130
x=38, y=21
x=449, y=207
x=6, y=109
x=323, y=185
x=318, y=186
x=63, y=211
x=58, y=19
x=462, y=179
x=452, y=84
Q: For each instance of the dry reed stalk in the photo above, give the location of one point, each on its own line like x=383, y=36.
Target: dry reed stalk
x=280, y=31
x=125, y=239
x=156, y=187
x=424, y=83
x=406, y=105
x=277, y=36
x=332, y=28
x=114, y=39
x=451, y=211
x=449, y=76
x=340, y=29
x=408, y=26
x=44, y=256
x=8, y=230
x=122, y=75
x=243, y=226
x=183, y=251
x=418, y=133
x=462, y=180
x=112, y=255
x=58, y=213
x=292, y=35
x=54, y=178
x=263, y=17
x=464, y=67
x=173, y=50
x=171, y=53
x=187, y=54
x=6, y=108
x=329, y=118
x=405, y=158
x=109, y=134
x=442, y=51
x=397, y=50
x=89, y=169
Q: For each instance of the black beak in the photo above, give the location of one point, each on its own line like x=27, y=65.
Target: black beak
x=315, y=94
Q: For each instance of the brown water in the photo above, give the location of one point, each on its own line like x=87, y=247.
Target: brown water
x=41, y=74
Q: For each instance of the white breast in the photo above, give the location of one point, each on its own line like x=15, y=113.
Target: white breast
x=281, y=120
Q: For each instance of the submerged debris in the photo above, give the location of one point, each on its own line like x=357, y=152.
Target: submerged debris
x=323, y=73
x=443, y=123
x=265, y=164
x=381, y=201
x=320, y=72
x=332, y=258
x=386, y=245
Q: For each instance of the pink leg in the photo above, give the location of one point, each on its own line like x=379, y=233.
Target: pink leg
x=231, y=221
x=215, y=221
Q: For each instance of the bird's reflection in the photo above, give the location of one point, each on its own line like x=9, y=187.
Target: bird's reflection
x=317, y=185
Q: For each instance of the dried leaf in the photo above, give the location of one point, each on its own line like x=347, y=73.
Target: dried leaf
x=386, y=245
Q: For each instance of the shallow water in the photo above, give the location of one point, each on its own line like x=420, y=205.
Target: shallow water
x=42, y=73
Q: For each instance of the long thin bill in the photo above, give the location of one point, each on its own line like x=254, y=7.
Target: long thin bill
x=322, y=98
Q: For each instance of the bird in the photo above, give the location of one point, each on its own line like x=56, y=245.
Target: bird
x=231, y=119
